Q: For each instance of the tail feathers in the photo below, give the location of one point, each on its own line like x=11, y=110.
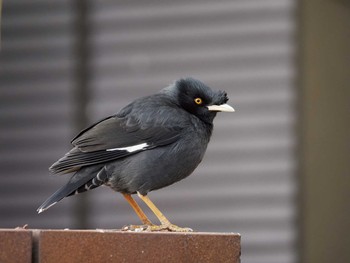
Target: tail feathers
x=83, y=180
x=100, y=179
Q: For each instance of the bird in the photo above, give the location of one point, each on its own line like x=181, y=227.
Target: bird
x=149, y=144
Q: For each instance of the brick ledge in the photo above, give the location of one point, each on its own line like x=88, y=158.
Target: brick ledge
x=40, y=245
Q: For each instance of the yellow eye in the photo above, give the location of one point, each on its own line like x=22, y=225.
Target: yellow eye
x=198, y=101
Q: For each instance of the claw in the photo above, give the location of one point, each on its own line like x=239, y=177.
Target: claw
x=175, y=228
x=156, y=228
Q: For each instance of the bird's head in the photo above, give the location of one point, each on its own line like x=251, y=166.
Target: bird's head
x=200, y=100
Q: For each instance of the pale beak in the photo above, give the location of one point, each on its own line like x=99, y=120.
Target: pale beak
x=222, y=107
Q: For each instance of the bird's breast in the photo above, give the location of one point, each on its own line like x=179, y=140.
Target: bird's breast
x=159, y=167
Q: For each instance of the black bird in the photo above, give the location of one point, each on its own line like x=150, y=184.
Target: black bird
x=151, y=143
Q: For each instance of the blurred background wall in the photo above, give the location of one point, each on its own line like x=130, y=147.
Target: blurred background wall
x=324, y=96
x=65, y=64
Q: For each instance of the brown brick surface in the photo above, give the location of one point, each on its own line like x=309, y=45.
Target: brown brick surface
x=15, y=246
x=214, y=247
x=115, y=246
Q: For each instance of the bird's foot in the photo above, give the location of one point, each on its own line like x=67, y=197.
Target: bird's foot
x=138, y=228
x=170, y=228
x=156, y=228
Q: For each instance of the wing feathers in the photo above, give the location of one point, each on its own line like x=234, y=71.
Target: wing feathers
x=75, y=159
x=133, y=130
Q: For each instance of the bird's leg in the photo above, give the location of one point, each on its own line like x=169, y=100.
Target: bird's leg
x=144, y=219
x=165, y=223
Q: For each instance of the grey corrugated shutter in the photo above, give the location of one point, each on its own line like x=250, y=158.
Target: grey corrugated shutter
x=246, y=182
x=35, y=106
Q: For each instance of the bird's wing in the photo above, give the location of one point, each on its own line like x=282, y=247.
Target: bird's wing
x=115, y=132
x=116, y=137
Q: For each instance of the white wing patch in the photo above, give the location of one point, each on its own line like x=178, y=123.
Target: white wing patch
x=131, y=149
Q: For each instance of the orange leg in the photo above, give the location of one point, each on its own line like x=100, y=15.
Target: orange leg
x=137, y=209
x=165, y=223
